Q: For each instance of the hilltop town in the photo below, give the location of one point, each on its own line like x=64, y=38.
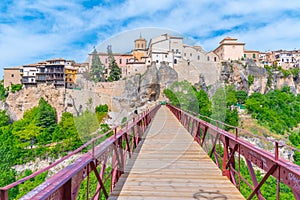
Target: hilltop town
x=145, y=72
x=164, y=48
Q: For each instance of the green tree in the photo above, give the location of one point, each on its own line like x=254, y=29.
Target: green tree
x=3, y=92
x=115, y=70
x=86, y=124
x=219, y=105
x=15, y=87
x=241, y=96
x=46, y=119
x=250, y=80
x=97, y=68
x=204, y=103
x=232, y=118
x=230, y=95
x=101, y=112
x=172, y=97
x=4, y=118
x=279, y=110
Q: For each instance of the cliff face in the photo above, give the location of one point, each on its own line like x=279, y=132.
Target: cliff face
x=122, y=96
x=263, y=81
x=17, y=103
x=141, y=90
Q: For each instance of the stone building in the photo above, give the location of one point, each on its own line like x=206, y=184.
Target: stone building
x=230, y=49
x=165, y=48
x=251, y=54
x=12, y=75
x=140, y=49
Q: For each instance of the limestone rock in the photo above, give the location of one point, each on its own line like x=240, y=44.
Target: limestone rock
x=166, y=76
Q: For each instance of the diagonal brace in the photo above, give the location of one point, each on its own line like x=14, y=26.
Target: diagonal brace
x=99, y=179
x=270, y=172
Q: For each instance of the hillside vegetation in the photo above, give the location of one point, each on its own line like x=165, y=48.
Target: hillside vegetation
x=38, y=135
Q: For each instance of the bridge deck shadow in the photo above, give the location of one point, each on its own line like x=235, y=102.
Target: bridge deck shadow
x=169, y=164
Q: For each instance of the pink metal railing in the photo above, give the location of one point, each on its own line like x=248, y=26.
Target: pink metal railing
x=227, y=150
x=106, y=161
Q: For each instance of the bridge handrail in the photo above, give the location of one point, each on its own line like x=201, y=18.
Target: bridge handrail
x=283, y=170
x=239, y=130
x=7, y=187
x=118, y=132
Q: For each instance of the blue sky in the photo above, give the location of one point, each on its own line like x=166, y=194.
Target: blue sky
x=34, y=30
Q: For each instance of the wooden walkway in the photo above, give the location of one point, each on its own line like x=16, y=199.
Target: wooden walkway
x=169, y=165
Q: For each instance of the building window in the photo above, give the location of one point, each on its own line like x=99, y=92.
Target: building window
x=138, y=46
x=12, y=75
x=245, y=55
x=105, y=60
x=142, y=46
x=175, y=61
x=215, y=58
x=184, y=54
x=198, y=57
x=166, y=56
x=207, y=58
x=191, y=54
x=120, y=61
x=156, y=61
x=253, y=55
x=126, y=60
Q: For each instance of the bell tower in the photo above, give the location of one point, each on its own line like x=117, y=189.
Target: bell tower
x=140, y=48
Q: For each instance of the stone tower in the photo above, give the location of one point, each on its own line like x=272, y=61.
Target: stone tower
x=140, y=48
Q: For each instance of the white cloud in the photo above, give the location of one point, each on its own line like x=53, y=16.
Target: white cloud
x=69, y=29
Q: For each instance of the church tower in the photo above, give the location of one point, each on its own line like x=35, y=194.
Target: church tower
x=140, y=48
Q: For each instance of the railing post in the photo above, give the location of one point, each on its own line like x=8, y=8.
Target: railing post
x=93, y=149
x=276, y=150
x=3, y=194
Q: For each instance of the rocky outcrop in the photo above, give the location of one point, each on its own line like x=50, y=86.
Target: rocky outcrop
x=141, y=90
x=166, y=76
x=238, y=73
x=17, y=103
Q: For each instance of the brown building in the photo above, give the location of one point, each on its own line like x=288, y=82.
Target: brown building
x=12, y=76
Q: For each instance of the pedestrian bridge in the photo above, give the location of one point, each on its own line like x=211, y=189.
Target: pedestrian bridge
x=165, y=153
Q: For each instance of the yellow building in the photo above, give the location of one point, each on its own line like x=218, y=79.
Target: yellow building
x=140, y=49
x=70, y=76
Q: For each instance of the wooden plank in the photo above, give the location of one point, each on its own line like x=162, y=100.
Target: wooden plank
x=171, y=165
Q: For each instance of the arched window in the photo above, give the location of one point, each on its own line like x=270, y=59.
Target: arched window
x=207, y=58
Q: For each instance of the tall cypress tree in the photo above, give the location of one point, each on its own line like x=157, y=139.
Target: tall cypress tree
x=115, y=70
x=97, y=68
